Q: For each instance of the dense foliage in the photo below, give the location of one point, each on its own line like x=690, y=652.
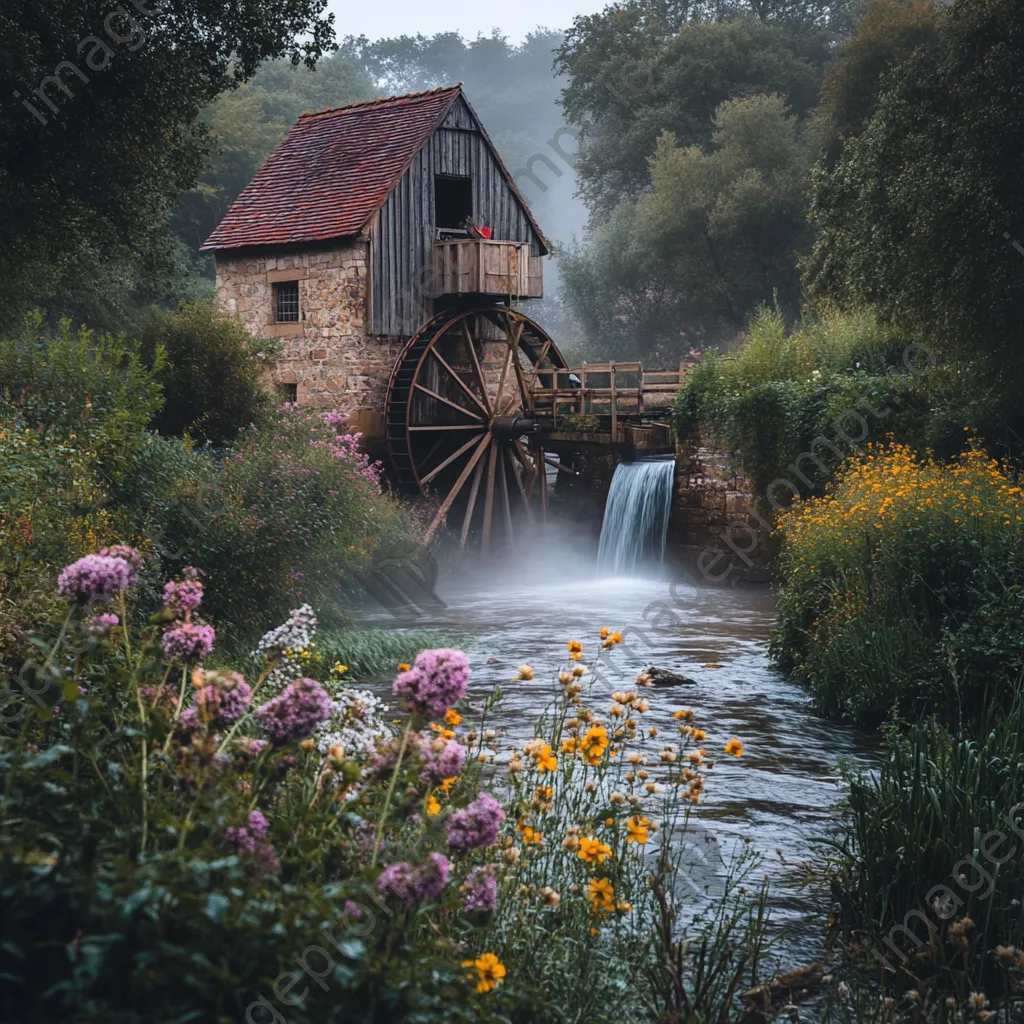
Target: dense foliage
x=100, y=132
x=270, y=849
x=940, y=160
x=713, y=236
x=791, y=406
x=212, y=372
x=289, y=511
x=905, y=585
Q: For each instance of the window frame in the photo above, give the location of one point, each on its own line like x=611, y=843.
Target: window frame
x=278, y=289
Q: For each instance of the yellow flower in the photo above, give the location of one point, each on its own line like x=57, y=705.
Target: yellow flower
x=446, y=784
x=339, y=668
x=605, y=632
x=546, y=761
x=531, y=835
x=575, y=647
x=433, y=805
x=637, y=831
x=601, y=895
x=488, y=971
x=734, y=747
x=612, y=640
x=403, y=667
x=593, y=744
x=525, y=672
x=593, y=851
x=452, y=717
x=686, y=716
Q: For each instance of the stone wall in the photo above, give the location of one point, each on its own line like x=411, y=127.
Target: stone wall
x=327, y=355
x=713, y=521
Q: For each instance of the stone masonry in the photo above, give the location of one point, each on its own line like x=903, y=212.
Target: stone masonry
x=328, y=354
x=713, y=519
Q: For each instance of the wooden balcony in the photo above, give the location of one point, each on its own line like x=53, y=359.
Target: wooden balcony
x=479, y=266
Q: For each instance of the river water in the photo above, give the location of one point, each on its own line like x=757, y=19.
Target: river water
x=780, y=796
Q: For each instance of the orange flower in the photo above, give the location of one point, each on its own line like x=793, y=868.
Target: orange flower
x=452, y=717
x=637, y=830
x=593, y=851
x=575, y=647
x=488, y=971
x=734, y=747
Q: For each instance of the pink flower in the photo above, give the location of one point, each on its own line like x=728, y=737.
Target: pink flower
x=224, y=698
x=130, y=555
x=95, y=577
x=477, y=825
x=296, y=712
x=414, y=885
x=445, y=763
x=100, y=624
x=183, y=597
x=481, y=891
x=437, y=681
x=188, y=641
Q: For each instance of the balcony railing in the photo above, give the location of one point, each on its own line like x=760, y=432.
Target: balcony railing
x=485, y=267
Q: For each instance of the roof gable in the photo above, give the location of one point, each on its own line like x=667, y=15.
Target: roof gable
x=332, y=172
x=335, y=168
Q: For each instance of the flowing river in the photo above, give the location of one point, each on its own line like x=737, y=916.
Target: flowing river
x=779, y=796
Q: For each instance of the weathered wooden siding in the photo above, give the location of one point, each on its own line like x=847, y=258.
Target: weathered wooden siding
x=403, y=233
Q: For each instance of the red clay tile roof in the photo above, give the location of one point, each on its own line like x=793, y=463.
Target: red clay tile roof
x=332, y=172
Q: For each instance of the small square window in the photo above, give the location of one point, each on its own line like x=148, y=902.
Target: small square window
x=289, y=392
x=286, y=302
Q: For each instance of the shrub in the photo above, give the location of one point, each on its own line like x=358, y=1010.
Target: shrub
x=213, y=372
x=293, y=512
x=155, y=854
x=836, y=381
x=905, y=586
x=931, y=843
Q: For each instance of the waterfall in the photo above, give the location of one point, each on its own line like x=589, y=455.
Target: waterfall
x=636, y=517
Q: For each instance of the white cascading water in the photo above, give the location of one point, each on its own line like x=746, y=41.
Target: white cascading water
x=636, y=517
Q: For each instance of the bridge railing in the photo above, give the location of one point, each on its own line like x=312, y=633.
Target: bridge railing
x=621, y=392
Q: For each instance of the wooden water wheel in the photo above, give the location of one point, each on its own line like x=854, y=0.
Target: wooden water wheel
x=459, y=420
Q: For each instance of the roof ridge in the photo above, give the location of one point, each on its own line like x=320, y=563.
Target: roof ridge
x=381, y=100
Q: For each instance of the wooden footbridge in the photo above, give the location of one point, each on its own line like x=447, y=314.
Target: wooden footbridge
x=481, y=403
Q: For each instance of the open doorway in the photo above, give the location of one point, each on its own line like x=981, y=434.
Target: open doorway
x=453, y=202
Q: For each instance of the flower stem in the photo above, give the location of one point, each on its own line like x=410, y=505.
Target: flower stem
x=390, y=792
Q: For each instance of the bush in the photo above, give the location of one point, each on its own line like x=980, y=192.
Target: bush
x=905, y=586
x=187, y=846
x=921, y=849
x=212, y=375
x=784, y=395
x=292, y=512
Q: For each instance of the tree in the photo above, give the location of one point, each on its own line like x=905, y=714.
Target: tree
x=99, y=131
x=886, y=35
x=716, y=235
x=919, y=215
x=642, y=67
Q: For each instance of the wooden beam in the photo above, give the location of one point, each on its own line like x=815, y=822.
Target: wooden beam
x=447, y=401
x=458, y=380
x=519, y=482
x=504, y=495
x=454, y=492
x=468, y=517
x=447, y=462
x=485, y=539
x=457, y=426
x=476, y=364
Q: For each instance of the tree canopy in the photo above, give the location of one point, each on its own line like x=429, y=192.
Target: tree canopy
x=100, y=129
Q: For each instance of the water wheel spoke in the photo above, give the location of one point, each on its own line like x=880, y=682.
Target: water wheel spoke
x=476, y=364
x=449, y=426
x=528, y=464
x=458, y=380
x=447, y=401
x=456, y=487
x=504, y=495
x=519, y=481
x=501, y=379
x=467, y=519
x=451, y=458
x=485, y=540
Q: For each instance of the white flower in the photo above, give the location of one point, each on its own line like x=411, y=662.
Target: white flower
x=287, y=642
x=356, y=722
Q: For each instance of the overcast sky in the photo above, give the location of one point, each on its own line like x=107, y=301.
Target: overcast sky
x=379, y=18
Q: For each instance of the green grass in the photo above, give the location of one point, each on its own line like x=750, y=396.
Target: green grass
x=376, y=652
